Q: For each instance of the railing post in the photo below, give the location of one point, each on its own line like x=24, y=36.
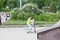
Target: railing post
x=0, y=20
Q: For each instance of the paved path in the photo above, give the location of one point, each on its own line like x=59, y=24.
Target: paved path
x=17, y=34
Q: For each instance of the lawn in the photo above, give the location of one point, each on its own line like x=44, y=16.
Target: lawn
x=21, y=22
x=14, y=22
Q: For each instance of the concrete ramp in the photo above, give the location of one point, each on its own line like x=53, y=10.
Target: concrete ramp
x=52, y=33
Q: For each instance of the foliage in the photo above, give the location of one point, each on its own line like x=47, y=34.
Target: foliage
x=6, y=9
x=53, y=6
x=31, y=8
x=22, y=22
x=10, y=3
x=47, y=3
x=14, y=15
x=40, y=3
x=41, y=17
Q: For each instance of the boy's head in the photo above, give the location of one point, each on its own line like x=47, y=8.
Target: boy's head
x=30, y=16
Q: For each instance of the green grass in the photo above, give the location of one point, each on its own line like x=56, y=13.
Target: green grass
x=15, y=22
x=21, y=22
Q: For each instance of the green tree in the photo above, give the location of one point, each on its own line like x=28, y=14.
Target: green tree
x=10, y=3
x=53, y=6
x=40, y=3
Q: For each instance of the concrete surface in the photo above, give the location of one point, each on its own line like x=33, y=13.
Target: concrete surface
x=18, y=33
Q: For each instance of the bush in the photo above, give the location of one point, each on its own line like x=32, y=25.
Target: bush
x=14, y=15
x=49, y=17
x=31, y=8
x=6, y=9
x=22, y=16
x=41, y=17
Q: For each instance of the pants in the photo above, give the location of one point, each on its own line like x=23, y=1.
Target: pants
x=30, y=27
